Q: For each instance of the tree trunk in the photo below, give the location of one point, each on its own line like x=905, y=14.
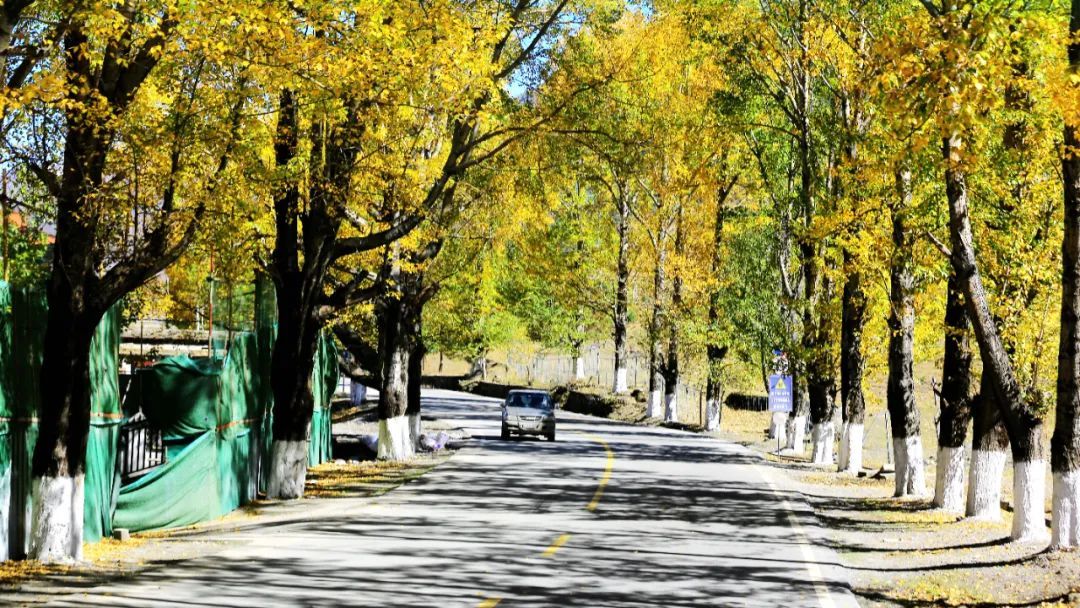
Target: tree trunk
x=59, y=457
x=671, y=370
x=852, y=364
x=578, y=355
x=416, y=373
x=77, y=295
x=822, y=412
x=622, y=273
x=1022, y=421
x=714, y=351
x=654, y=407
x=60, y=453
x=298, y=281
x=955, y=403
x=989, y=450
x=821, y=382
x=803, y=104
x=395, y=351
x=907, y=442
x=1065, y=444
x=796, y=421
x=292, y=364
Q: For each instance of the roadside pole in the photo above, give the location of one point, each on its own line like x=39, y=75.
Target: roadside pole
x=780, y=400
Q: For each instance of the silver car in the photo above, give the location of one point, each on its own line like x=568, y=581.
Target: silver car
x=528, y=413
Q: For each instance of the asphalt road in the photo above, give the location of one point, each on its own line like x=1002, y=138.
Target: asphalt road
x=610, y=515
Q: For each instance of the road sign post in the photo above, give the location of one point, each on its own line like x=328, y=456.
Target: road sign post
x=779, y=397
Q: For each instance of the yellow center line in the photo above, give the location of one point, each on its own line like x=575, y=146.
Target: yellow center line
x=609, y=464
x=550, y=551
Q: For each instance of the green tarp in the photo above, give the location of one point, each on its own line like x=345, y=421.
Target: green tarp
x=179, y=396
x=199, y=484
x=22, y=329
x=215, y=417
x=101, y=482
x=215, y=420
x=205, y=412
x=323, y=384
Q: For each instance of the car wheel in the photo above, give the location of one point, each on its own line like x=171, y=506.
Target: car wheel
x=505, y=432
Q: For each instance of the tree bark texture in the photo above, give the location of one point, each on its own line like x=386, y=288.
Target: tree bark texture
x=954, y=401
x=900, y=397
x=622, y=274
x=1022, y=421
x=852, y=364
x=671, y=368
x=654, y=407
x=1065, y=443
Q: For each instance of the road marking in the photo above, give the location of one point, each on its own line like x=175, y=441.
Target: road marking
x=609, y=464
x=811, y=562
x=550, y=551
x=822, y=592
x=606, y=477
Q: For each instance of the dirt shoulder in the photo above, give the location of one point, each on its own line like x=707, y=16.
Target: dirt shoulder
x=901, y=552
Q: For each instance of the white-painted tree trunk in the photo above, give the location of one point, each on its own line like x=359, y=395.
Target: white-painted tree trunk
x=579, y=368
x=778, y=428
x=851, y=448
x=796, y=434
x=1029, y=501
x=671, y=407
x=712, y=415
x=1066, y=510
x=394, y=441
x=824, y=436
x=984, y=484
x=620, y=381
x=949, y=480
x=910, y=474
x=288, y=469
x=415, y=429
x=5, y=514
x=57, y=529
x=654, y=408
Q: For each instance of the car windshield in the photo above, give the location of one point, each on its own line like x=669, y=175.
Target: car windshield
x=538, y=401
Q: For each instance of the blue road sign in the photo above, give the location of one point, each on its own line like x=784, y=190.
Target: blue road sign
x=779, y=393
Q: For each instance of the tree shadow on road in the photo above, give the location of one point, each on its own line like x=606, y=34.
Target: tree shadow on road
x=684, y=521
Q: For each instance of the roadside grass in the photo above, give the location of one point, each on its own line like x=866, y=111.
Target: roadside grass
x=12, y=573
x=367, y=478
x=902, y=552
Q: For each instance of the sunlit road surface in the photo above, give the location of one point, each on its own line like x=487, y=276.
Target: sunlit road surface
x=610, y=515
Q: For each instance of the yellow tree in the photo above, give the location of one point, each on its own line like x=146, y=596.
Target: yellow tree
x=126, y=92
x=970, y=67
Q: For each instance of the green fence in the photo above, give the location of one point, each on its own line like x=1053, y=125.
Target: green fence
x=22, y=329
x=208, y=413
x=215, y=419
